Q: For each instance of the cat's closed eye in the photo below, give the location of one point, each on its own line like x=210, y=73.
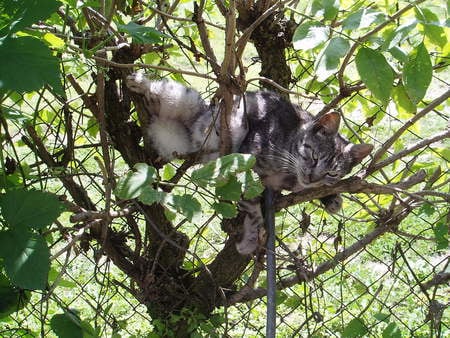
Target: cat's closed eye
x=332, y=174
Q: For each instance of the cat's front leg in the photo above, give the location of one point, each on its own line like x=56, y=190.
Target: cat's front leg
x=252, y=226
x=332, y=203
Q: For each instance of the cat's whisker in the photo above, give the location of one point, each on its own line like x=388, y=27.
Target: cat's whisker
x=303, y=151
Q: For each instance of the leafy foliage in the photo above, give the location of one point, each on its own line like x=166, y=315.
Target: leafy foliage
x=160, y=234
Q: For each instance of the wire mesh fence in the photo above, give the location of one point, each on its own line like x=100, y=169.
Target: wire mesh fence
x=372, y=270
x=127, y=268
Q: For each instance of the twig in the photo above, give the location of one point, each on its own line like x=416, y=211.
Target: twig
x=385, y=224
x=363, y=38
x=386, y=145
x=107, y=62
x=280, y=87
x=198, y=19
x=90, y=215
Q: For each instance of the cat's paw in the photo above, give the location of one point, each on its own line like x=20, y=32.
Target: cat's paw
x=247, y=246
x=332, y=203
x=137, y=82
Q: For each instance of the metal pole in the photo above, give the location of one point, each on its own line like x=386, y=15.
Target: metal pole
x=269, y=217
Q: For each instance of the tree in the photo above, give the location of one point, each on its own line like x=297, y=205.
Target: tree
x=75, y=144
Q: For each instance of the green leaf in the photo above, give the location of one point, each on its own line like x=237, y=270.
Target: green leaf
x=441, y=234
x=54, y=276
x=375, y=72
x=18, y=14
x=402, y=101
x=149, y=195
x=329, y=59
x=362, y=18
x=168, y=171
x=12, y=299
x=218, y=171
x=417, y=73
x=67, y=325
x=392, y=331
x=432, y=31
x=26, y=258
x=184, y=204
x=382, y=317
x=131, y=185
x=142, y=34
x=30, y=208
x=355, y=328
x=310, y=35
x=398, y=53
x=15, y=115
x=326, y=8
x=227, y=210
x=396, y=37
x=252, y=187
x=231, y=190
x=28, y=58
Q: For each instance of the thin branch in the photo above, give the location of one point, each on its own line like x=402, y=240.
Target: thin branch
x=366, y=36
x=389, y=142
x=349, y=185
x=421, y=144
x=107, y=62
x=385, y=224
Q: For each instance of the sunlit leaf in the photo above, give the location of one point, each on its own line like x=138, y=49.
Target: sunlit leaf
x=417, y=73
x=310, y=35
x=218, y=171
x=402, y=101
x=132, y=184
x=168, y=171
x=54, y=41
x=142, y=34
x=433, y=32
x=329, y=59
x=375, y=72
x=326, y=8
x=362, y=18
x=252, y=187
x=396, y=37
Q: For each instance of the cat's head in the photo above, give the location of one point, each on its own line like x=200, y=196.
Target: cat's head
x=323, y=156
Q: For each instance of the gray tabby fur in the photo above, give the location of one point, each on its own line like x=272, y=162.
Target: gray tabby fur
x=293, y=149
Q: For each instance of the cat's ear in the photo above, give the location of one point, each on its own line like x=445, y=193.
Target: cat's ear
x=328, y=123
x=358, y=151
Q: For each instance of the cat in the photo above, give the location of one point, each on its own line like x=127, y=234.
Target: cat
x=294, y=150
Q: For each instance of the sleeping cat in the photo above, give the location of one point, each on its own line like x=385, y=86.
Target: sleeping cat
x=293, y=149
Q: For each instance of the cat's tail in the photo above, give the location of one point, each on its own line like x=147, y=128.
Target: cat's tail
x=176, y=102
